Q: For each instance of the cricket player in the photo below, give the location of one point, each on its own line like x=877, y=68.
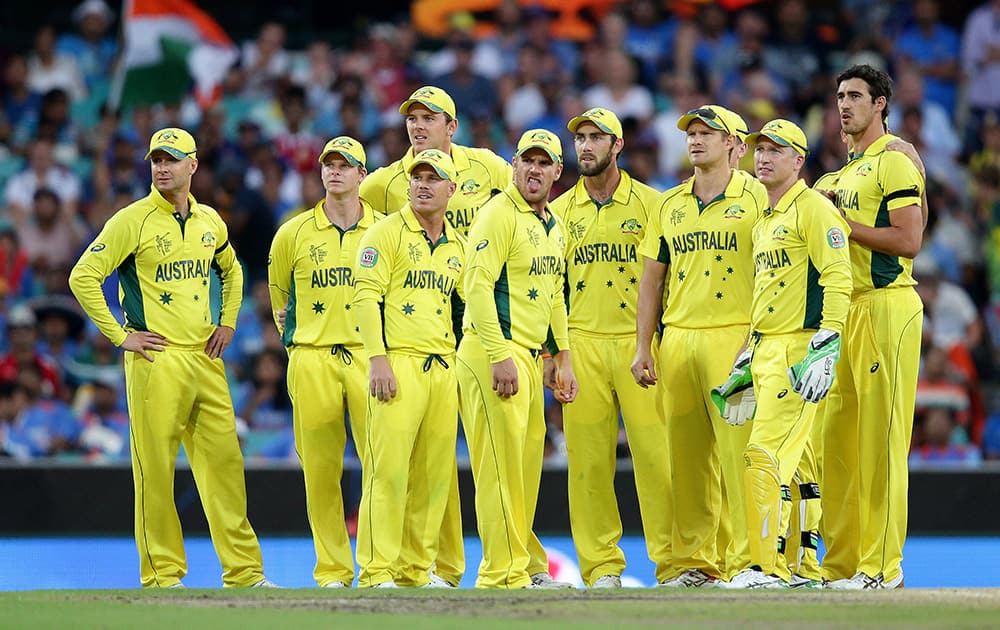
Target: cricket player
x=514, y=290
x=606, y=214
x=311, y=279
x=164, y=247
x=431, y=122
x=802, y=286
x=700, y=234
x=868, y=419
x=408, y=309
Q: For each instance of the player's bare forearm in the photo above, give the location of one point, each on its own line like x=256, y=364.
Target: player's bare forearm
x=219, y=341
x=903, y=237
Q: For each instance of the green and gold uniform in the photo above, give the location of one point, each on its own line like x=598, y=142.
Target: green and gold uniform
x=404, y=292
x=869, y=414
x=311, y=272
x=802, y=282
x=603, y=271
x=707, y=248
x=514, y=294
x=164, y=263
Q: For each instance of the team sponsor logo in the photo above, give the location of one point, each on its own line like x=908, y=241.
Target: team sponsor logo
x=874, y=367
x=864, y=169
x=541, y=136
x=369, y=256
x=483, y=244
x=167, y=137
x=454, y=263
x=424, y=93
x=676, y=216
x=533, y=237
x=630, y=226
x=415, y=252
x=733, y=212
x=163, y=244
x=208, y=240
x=317, y=254
x=99, y=247
x=835, y=238
x=779, y=233
x=469, y=187
x=782, y=394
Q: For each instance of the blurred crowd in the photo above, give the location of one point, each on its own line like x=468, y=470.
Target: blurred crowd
x=68, y=160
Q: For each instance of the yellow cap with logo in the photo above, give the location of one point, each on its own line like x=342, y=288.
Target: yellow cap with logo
x=433, y=98
x=348, y=147
x=784, y=133
x=740, y=126
x=716, y=117
x=438, y=160
x=605, y=120
x=177, y=142
x=541, y=139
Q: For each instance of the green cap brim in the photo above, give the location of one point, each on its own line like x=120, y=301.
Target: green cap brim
x=754, y=137
x=686, y=120
x=556, y=158
x=405, y=107
x=579, y=120
x=347, y=156
x=175, y=152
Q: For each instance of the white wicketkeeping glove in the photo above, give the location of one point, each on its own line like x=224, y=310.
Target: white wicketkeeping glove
x=735, y=398
x=813, y=376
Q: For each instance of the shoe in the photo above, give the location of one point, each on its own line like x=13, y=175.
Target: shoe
x=897, y=582
x=386, y=585
x=860, y=582
x=544, y=580
x=754, y=578
x=265, y=583
x=692, y=578
x=337, y=584
x=438, y=582
x=607, y=581
x=799, y=581
x=178, y=585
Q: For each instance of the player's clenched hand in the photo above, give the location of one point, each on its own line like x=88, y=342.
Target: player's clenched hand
x=219, y=341
x=643, y=368
x=505, y=378
x=141, y=341
x=381, y=379
x=565, y=380
x=279, y=316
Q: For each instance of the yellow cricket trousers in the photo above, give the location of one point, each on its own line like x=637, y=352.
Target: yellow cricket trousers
x=602, y=366
x=506, y=448
x=409, y=462
x=323, y=382
x=868, y=426
x=691, y=362
x=182, y=397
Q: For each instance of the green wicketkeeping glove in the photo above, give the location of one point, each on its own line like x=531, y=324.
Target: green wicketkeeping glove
x=813, y=376
x=735, y=398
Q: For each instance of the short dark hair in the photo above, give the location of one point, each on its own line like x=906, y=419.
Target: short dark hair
x=879, y=84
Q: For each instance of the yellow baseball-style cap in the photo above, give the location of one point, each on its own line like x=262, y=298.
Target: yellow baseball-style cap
x=784, y=133
x=541, y=139
x=438, y=160
x=605, y=120
x=177, y=142
x=433, y=98
x=716, y=117
x=348, y=147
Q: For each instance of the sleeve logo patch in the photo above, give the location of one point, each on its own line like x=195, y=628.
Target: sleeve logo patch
x=99, y=247
x=369, y=256
x=835, y=237
x=483, y=244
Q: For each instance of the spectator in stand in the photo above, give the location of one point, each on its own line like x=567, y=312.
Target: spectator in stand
x=941, y=432
x=263, y=401
x=297, y=144
x=981, y=63
x=15, y=268
x=48, y=69
x=952, y=322
x=316, y=72
x=940, y=440
x=650, y=38
x=707, y=46
x=105, y=424
x=619, y=91
x=42, y=171
x=22, y=355
x=937, y=133
x=21, y=104
x=536, y=25
x=265, y=61
x=50, y=236
x=521, y=94
x=796, y=56
x=931, y=49
x=385, y=68
x=61, y=326
x=93, y=47
x=468, y=89
x=496, y=55
x=42, y=426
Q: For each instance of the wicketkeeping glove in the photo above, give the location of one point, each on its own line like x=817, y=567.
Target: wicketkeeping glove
x=735, y=398
x=813, y=376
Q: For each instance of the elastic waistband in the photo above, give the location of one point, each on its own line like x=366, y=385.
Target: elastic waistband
x=871, y=294
x=355, y=348
x=599, y=335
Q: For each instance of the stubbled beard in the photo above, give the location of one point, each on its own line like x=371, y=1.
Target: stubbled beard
x=599, y=166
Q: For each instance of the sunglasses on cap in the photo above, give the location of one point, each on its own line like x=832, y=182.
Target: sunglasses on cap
x=710, y=114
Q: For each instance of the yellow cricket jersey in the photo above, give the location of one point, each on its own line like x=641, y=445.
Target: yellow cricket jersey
x=827, y=182
x=603, y=265
x=802, y=268
x=480, y=171
x=164, y=265
x=311, y=269
x=870, y=186
x=407, y=289
x=514, y=277
x=709, y=251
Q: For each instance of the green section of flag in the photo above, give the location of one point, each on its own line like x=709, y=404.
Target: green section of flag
x=166, y=81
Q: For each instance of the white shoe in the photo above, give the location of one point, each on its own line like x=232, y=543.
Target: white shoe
x=607, y=581
x=178, y=585
x=799, y=581
x=337, y=584
x=544, y=580
x=860, y=582
x=386, y=585
x=754, y=578
x=692, y=578
x=894, y=583
x=265, y=583
x=438, y=582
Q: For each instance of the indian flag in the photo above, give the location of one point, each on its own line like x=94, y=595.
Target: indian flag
x=168, y=44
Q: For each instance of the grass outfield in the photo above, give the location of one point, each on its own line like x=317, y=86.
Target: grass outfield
x=485, y=610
